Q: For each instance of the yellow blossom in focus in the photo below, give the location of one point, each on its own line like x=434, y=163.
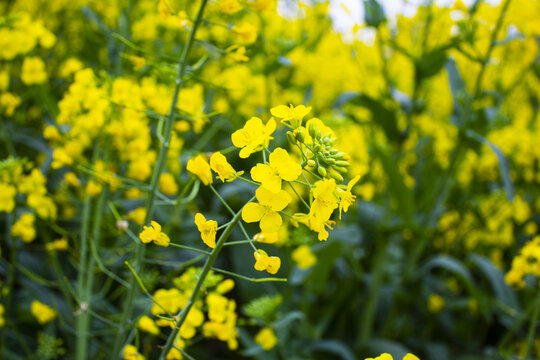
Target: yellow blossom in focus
x=280, y=167
x=346, y=198
x=254, y=136
x=246, y=33
x=207, y=228
x=130, y=353
x=435, y=303
x=33, y=71
x=293, y=114
x=199, y=167
x=326, y=199
x=24, y=227
x=167, y=184
x=219, y=163
x=148, y=325
x=7, y=197
x=153, y=233
x=303, y=257
x=264, y=262
x=42, y=312
x=266, y=211
x=266, y=338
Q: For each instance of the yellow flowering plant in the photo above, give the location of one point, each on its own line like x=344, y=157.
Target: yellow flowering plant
x=269, y=179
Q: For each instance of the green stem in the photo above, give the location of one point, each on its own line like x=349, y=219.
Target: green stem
x=139, y=256
x=255, y=280
x=189, y=248
x=195, y=293
x=297, y=194
x=532, y=328
x=368, y=317
x=11, y=275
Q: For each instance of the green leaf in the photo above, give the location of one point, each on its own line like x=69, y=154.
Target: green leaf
x=381, y=115
x=452, y=265
x=503, y=162
x=496, y=278
x=335, y=347
x=399, y=191
x=431, y=62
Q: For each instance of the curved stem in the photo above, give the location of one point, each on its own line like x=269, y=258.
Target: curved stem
x=139, y=256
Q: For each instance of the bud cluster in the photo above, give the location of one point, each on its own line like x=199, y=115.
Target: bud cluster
x=320, y=156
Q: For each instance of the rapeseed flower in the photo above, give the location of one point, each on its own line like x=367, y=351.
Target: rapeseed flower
x=167, y=184
x=7, y=197
x=346, y=198
x=199, y=167
x=254, y=136
x=148, y=325
x=42, y=312
x=303, y=257
x=266, y=210
x=130, y=353
x=293, y=114
x=280, y=167
x=24, y=227
x=266, y=338
x=153, y=233
x=33, y=71
x=219, y=163
x=264, y=262
x=208, y=229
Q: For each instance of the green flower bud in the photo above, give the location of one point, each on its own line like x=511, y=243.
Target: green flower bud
x=318, y=134
x=321, y=171
x=336, y=177
x=341, y=169
x=300, y=136
x=291, y=138
x=312, y=129
x=334, y=152
x=311, y=163
x=342, y=163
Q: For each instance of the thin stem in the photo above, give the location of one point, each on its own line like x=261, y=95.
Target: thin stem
x=189, y=248
x=255, y=280
x=238, y=242
x=11, y=274
x=182, y=65
x=532, y=328
x=202, y=277
x=248, y=181
x=297, y=194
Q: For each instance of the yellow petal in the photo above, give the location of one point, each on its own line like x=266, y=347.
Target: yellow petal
x=280, y=111
x=252, y=212
x=270, y=222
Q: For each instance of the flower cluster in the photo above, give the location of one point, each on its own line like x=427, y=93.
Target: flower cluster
x=527, y=262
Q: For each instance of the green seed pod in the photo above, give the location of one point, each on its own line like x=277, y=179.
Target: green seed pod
x=341, y=169
x=311, y=163
x=300, y=136
x=321, y=171
x=342, y=163
x=336, y=177
x=291, y=138
x=312, y=129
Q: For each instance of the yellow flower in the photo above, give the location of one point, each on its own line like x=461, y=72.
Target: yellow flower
x=167, y=184
x=346, y=198
x=24, y=227
x=254, y=136
x=71, y=179
x=324, y=192
x=280, y=166
x=229, y=7
x=265, y=262
x=266, y=211
x=153, y=233
x=199, y=167
x=266, y=238
x=218, y=163
x=148, y=325
x=314, y=224
x=42, y=312
x=207, y=228
x=303, y=257
x=7, y=197
x=435, y=303
x=130, y=353
x=58, y=244
x=293, y=114
x=33, y=71
x=137, y=215
x=246, y=33
x=266, y=338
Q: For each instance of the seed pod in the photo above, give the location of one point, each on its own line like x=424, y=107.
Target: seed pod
x=341, y=169
x=311, y=163
x=336, y=177
x=291, y=138
x=321, y=171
